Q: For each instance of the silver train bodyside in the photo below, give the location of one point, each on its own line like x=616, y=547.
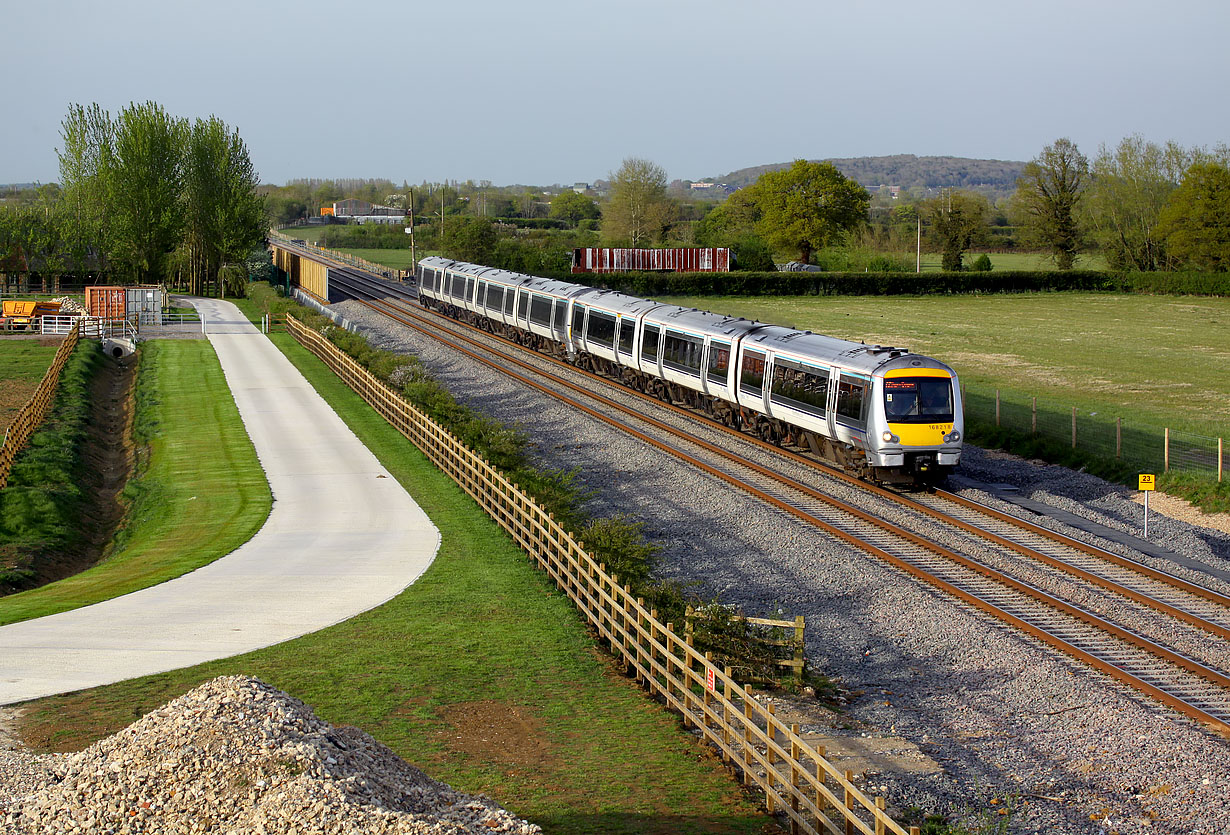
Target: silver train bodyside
x=882, y=413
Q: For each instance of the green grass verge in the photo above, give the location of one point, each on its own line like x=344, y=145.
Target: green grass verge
x=480, y=629
x=25, y=362
x=200, y=492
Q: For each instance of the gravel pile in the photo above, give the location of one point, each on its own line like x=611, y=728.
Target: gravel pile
x=1015, y=726
x=236, y=756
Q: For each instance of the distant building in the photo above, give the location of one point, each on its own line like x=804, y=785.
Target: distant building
x=360, y=211
x=580, y=188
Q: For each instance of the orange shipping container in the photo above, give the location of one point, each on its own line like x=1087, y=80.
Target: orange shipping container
x=106, y=302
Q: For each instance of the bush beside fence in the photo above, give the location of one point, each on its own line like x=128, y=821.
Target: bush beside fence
x=797, y=781
x=32, y=414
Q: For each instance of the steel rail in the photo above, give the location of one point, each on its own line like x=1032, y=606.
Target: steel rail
x=1168, y=655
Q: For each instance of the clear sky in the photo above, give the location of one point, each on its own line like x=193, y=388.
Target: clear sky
x=559, y=91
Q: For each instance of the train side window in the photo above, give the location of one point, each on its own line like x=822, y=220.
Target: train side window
x=800, y=386
x=649, y=343
x=459, y=287
x=719, y=362
x=540, y=310
x=429, y=279
x=523, y=303
x=627, y=335
x=682, y=352
x=851, y=399
x=601, y=328
x=495, y=297
x=751, y=374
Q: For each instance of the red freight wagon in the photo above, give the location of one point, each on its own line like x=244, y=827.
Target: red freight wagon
x=706, y=259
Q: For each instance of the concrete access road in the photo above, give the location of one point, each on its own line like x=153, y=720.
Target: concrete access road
x=343, y=537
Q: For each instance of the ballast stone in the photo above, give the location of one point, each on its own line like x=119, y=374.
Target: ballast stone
x=236, y=755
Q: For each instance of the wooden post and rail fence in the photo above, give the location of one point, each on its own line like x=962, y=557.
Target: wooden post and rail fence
x=797, y=781
x=31, y=415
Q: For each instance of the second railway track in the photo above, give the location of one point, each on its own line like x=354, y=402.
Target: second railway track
x=1139, y=610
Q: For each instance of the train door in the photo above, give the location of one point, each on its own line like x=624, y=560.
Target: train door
x=626, y=348
x=559, y=322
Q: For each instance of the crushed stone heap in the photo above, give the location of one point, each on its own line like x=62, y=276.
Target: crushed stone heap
x=238, y=756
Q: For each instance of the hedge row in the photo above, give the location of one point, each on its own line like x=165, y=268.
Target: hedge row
x=906, y=284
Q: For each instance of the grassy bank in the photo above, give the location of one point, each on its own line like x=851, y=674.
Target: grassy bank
x=42, y=505
x=480, y=672
x=25, y=361
x=199, y=492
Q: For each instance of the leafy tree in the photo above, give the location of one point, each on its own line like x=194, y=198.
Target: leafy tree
x=956, y=219
x=223, y=215
x=470, y=239
x=639, y=211
x=1195, y=223
x=573, y=207
x=807, y=207
x=144, y=181
x=1047, y=193
x=1127, y=190
x=88, y=136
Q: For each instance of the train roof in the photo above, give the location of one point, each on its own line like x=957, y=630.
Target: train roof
x=856, y=356
x=564, y=289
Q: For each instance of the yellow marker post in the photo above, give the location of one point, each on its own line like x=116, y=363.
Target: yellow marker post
x=1147, y=484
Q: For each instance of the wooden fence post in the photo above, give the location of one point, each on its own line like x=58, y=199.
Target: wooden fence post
x=849, y=813
x=798, y=648
x=794, y=777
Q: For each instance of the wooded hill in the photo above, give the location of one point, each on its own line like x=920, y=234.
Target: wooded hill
x=992, y=177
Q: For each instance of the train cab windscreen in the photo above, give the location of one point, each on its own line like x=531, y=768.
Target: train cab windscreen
x=918, y=400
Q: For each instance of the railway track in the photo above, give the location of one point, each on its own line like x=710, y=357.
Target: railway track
x=1120, y=617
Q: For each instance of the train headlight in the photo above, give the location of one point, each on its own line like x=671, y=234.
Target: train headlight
x=952, y=437
x=889, y=438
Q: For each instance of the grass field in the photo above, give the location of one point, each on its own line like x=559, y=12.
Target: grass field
x=572, y=745
x=175, y=523
x=25, y=362
x=1164, y=359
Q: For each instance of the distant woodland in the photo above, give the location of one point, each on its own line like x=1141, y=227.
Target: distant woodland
x=916, y=175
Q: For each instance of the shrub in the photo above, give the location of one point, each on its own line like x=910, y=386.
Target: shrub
x=981, y=264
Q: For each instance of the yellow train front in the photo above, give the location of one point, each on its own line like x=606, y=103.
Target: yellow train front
x=916, y=421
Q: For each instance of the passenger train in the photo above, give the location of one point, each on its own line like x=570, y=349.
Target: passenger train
x=882, y=413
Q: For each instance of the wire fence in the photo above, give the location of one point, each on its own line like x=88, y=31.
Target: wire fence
x=1135, y=444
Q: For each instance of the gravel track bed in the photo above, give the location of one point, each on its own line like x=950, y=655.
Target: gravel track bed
x=1069, y=750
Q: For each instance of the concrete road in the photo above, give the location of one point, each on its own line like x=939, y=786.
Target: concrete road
x=343, y=537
